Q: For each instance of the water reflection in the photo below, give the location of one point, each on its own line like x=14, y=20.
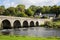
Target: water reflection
x=16, y=31
x=35, y=31
x=5, y=31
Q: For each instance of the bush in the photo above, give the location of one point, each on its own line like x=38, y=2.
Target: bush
x=21, y=14
x=52, y=24
x=49, y=24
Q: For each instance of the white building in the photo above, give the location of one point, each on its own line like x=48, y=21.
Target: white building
x=48, y=15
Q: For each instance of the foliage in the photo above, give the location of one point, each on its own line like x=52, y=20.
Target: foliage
x=33, y=8
x=52, y=24
x=20, y=8
x=31, y=11
x=20, y=14
x=57, y=23
x=2, y=10
x=10, y=11
x=49, y=24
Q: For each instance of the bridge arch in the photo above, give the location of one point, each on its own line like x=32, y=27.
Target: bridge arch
x=31, y=24
x=17, y=24
x=25, y=24
x=6, y=24
x=37, y=23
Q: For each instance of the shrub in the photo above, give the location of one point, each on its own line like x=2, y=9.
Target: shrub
x=48, y=24
x=52, y=24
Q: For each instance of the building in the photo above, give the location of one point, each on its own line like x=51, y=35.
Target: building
x=48, y=15
x=42, y=15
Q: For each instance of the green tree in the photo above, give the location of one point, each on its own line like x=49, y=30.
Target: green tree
x=21, y=14
x=10, y=11
x=33, y=8
x=47, y=9
x=20, y=8
x=54, y=9
x=29, y=12
x=2, y=10
x=59, y=9
x=42, y=10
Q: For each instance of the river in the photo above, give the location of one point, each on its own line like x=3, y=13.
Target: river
x=34, y=31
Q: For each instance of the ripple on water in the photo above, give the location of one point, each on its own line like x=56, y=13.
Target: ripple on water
x=33, y=31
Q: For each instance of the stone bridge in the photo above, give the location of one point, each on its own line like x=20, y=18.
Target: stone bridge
x=7, y=22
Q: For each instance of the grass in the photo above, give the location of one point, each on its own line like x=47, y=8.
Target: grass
x=11, y=37
x=52, y=24
x=57, y=22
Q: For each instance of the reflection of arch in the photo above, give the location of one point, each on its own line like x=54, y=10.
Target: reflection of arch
x=25, y=24
x=6, y=24
x=37, y=23
x=17, y=24
x=31, y=24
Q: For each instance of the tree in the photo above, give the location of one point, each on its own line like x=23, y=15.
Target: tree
x=54, y=9
x=20, y=8
x=29, y=12
x=33, y=8
x=59, y=9
x=42, y=10
x=10, y=11
x=47, y=9
x=21, y=14
x=2, y=10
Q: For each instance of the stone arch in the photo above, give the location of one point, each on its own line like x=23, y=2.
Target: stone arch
x=6, y=24
x=31, y=24
x=37, y=23
x=25, y=24
x=17, y=24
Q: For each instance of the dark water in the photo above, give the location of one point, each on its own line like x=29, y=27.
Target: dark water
x=34, y=31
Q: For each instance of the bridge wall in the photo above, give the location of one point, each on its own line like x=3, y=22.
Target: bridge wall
x=22, y=19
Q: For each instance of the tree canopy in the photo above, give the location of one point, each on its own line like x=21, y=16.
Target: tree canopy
x=20, y=10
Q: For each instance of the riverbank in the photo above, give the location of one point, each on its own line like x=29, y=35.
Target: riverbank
x=11, y=37
x=52, y=24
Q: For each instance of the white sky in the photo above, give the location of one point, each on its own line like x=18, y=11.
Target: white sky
x=27, y=3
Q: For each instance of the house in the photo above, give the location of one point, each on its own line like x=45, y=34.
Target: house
x=51, y=16
x=48, y=15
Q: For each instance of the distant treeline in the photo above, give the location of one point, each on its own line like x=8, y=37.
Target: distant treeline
x=21, y=11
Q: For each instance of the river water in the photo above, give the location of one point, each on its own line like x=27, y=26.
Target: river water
x=34, y=31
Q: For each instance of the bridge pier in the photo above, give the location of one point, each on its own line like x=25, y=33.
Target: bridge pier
x=12, y=24
x=0, y=24
x=21, y=23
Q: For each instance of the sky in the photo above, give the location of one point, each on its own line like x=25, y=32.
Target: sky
x=27, y=3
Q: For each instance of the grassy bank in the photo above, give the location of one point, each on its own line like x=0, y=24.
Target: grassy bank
x=52, y=24
x=5, y=37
